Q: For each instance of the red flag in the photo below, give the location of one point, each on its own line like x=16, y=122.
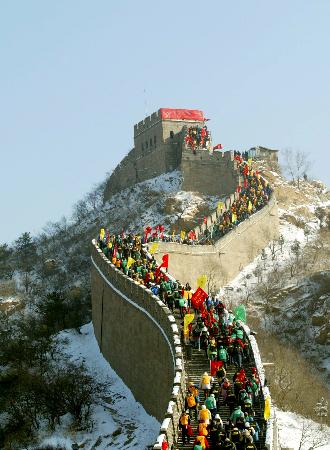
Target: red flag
x=115, y=252
x=198, y=298
x=165, y=261
x=205, y=219
x=147, y=231
x=218, y=146
x=161, y=230
x=245, y=183
x=214, y=366
x=163, y=264
x=238, y=189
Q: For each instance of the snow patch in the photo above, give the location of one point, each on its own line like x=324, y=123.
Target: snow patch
x=295, y=429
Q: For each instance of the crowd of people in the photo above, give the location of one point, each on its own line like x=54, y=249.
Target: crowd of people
x=222, y=338
x=244, y=155
x=198, y=138
x=215, y=331
x=252, y=196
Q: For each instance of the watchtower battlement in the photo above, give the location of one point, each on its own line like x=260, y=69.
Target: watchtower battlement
x=146, y=123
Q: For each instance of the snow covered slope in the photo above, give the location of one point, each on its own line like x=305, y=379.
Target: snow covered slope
x=119, y=421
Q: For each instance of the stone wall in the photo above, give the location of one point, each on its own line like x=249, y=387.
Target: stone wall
x=137, y=334
x=159, y=148
x=213, y=173
x=136, y=168
x=224, y=260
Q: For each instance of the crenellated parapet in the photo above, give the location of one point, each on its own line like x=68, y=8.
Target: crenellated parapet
x=147, y=123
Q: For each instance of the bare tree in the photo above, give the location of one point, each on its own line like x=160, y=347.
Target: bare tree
x=273, y=249
x=258, y=272
x=310, y=436
x=297, y=164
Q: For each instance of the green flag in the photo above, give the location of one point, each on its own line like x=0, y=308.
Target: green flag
x=240, y=313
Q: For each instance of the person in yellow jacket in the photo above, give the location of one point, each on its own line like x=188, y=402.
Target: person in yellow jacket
x=205, y=415
x=202, y=441
x=202, y=429
x=205, y=383
x=184, y=423
x=191, y=404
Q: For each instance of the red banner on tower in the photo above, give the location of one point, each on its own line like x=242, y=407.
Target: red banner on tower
x=181, y=114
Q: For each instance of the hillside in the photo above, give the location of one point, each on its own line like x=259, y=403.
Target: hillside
x=62, y=260
x=286, y=289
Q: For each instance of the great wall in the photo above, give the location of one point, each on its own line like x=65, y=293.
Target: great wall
x=158, y=374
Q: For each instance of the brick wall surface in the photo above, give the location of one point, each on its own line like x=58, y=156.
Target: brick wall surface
x=146, y=356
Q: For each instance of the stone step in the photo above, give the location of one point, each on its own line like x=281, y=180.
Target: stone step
x=195, y=367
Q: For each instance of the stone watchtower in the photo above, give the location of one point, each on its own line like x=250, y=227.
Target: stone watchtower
x=160, y=147
x=161, y=134
x=157, y=148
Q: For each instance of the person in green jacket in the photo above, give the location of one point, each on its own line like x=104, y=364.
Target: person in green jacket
x=223, y=356
x=211, y=404
x=236, y=414
x=239, y=333
x=198, y=447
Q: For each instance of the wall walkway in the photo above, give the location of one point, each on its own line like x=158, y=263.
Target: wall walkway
x=227, y=257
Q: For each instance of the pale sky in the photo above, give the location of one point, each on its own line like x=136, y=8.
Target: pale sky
x=76, y=75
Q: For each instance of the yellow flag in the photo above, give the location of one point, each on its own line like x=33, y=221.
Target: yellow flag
x=102, y=233
x=182, y=234
x=153, y=248
x=250, y=206
x=220, y=206
x=201, y=281
x=249, y=162
x=267, y=408
x=233, y=218
x=130, y=261
x=188, y=318
x=109, y=245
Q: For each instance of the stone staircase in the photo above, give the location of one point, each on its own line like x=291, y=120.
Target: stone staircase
x=195, y=367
